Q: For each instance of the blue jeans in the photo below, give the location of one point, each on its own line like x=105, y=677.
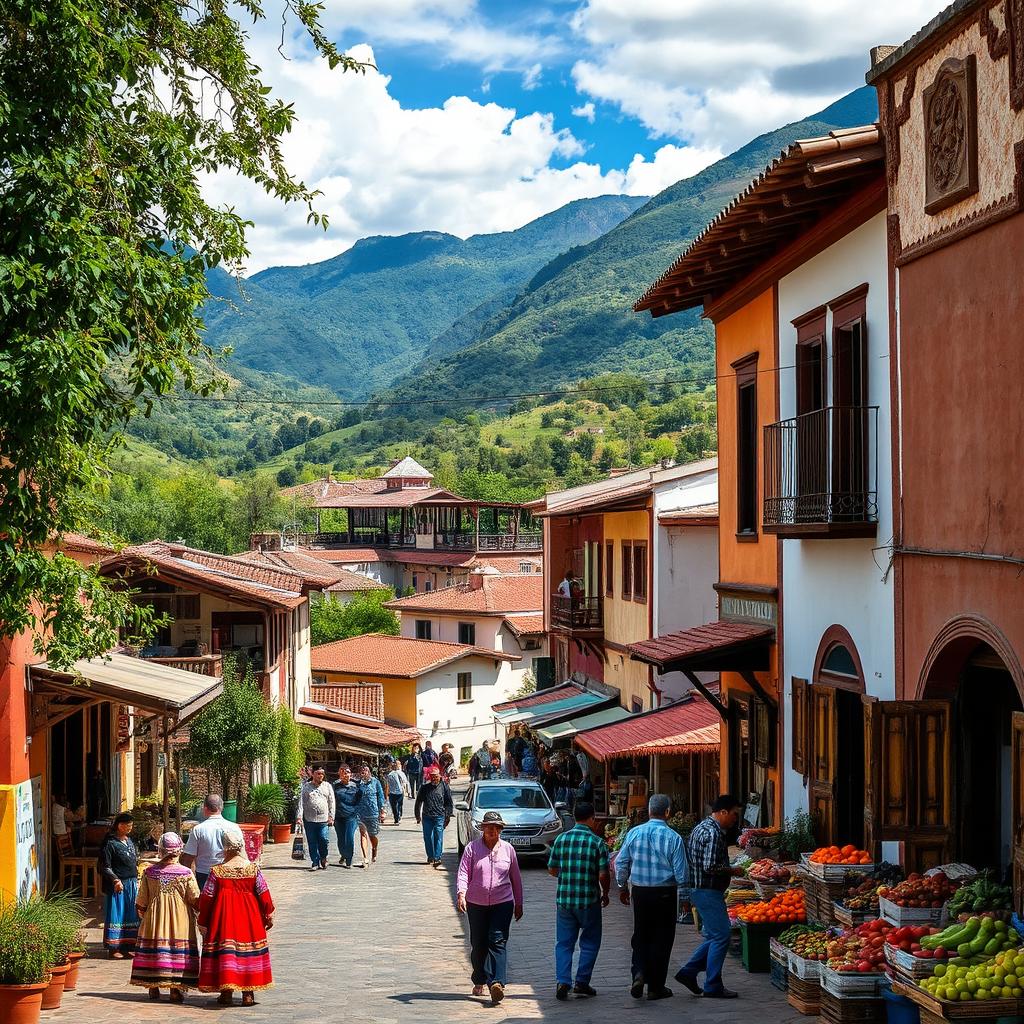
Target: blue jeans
x=316, y=836
x=397, y=801
x=488, y=940
x=345, y=829
x=709, y=956
x=572, y=923
x=433, y=837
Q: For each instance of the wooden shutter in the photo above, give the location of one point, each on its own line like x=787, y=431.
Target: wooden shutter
x=871, y=775
x=1017, y=810
x=799, y=733
x=913, y=741
x=825, y=732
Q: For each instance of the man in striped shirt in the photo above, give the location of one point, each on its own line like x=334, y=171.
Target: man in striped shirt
x=653, y=862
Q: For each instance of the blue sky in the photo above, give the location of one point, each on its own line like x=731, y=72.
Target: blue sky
x=481, y=115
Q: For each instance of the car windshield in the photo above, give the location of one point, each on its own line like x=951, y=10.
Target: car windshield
x=528, y=798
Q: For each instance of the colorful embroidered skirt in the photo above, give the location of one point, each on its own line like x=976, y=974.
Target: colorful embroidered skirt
x=121, y=923
x=167, y=949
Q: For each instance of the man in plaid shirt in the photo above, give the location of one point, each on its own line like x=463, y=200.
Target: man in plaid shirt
x=579, y=860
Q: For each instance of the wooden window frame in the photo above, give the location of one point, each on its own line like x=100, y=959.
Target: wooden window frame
x=464, y=688
x=640, y=580
x=800, y=736
x=470, y=626
x=746, y=377
x=627, y=570
x=609, y=568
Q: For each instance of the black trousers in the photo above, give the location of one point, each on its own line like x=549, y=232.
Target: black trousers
x=654, y=931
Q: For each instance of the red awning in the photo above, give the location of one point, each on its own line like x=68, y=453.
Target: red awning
x=560, y=692
x=715, y=647
x=689, y=727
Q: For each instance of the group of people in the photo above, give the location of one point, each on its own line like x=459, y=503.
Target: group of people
x=658, y=873
x=205, y=886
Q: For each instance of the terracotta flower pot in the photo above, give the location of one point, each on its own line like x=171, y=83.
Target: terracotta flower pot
x=20, y=1004
x=282, y=833
x=71, y=978
x=262, y=819
x=55, y=990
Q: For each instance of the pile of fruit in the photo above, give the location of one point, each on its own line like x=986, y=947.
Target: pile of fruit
x=806, y=941
x=862, y=896
x=768, y=870
x=785, y=908
x=1001, y=977
x=977, y=936
x=848, y=854
x=981, y=895
x=920, y=891
x=917, y=940
x=860, y=949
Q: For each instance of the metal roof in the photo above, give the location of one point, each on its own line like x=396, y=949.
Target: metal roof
x=563, y=730
x=688, y=726
x=544, y=712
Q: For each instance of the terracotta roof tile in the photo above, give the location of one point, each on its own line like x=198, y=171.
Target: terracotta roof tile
x=79, y=542
x=694, y=643
x=690, y=724
x=495, y=596
x=378, y=654
x=697, y=514
x=525, y=625
x=552, y=693
x=335, y=721
x=361, y=699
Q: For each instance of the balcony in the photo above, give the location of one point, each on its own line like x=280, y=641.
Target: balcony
x=524, y=542
x=578, y=614
x=820, y=473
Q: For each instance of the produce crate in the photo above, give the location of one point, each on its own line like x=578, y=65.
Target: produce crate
x=837, y=872
x=735, y=943
x=912, y=915
x=755, y=939
x=852, y=918
x=819, y=900
x=846, y=984
x=779, y=975
x=766, y=890
x=842, y=1010
x=978, y=1009
x=804, y=996
x=909, y=967
x=805, y=970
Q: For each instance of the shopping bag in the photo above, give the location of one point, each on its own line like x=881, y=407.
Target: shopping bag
x=299, y=846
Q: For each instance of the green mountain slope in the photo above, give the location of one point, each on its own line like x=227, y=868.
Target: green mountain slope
x=358, y=321
x=574, y=318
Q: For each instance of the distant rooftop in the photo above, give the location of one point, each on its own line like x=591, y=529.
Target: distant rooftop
x=407, y=469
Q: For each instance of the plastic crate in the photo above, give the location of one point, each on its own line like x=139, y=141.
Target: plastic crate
x=755, y=939
x=910, y=967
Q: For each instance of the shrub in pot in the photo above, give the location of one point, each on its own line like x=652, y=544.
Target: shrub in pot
x=264, y=803
x=58, y=919
x=24, y=966
x=75, y=957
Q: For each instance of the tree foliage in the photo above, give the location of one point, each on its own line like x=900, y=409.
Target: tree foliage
x=365, y=613
x=111, y=116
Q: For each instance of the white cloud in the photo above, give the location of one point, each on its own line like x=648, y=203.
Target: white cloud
x=716, y=72
x=586, y=111
x=531, y=77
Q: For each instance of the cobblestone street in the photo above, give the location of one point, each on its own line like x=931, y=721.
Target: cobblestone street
x=386, y=945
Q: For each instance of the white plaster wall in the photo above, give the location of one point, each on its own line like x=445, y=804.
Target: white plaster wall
x=839, y=581
x=303, y=656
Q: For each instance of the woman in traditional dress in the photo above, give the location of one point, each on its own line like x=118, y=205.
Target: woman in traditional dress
x=167, y=949
x=119, y=868
x=235, y=912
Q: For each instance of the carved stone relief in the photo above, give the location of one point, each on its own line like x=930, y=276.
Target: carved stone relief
x=951, y=134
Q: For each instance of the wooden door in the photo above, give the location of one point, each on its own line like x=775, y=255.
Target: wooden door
x=1017, y=809
x=799, y=732
x=825, y=732
x=871, y=776
x=912, y=779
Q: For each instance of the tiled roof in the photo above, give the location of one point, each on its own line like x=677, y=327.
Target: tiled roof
x=496, y=595
x=407, y=469
x=552, y=693
x=314, y=571
x=279, y=587
x=361, y=698
x=688, y=726
x=698, y=514
x=368, y=494
x=693, y=644
x=350, y=556
x=378, y=654
x=525, y=625
x=334, y=721
x=79, y=542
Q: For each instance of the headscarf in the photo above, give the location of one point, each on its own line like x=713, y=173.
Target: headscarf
x=434, y=772
x=170, y=842
x=232, y=840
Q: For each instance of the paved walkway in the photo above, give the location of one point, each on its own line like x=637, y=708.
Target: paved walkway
x=385, y=945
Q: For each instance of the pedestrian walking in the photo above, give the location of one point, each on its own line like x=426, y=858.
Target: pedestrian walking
x=118, y=866
x=235, y=914
x=653, y=862
x=167, y=949
x=397, y=791
x=490, y=893
x=371, y=809
x=414, y=768
x=434, y=810
x=445, y=760
x=429, y=755
x=529, y=768
x=579, y=860
x=316, y=802
x=346, y=818
x=474, y=767
x=205, y=844
x=710, y=871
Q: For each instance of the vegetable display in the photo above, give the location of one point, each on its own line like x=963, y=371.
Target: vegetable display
x=916, y=940
x=997, y=978
x=860, y=949
x=810, y=943
x=863, y=896
x=768, y=870
x=920, y=891
x=981, y=895
x=848, y=854
x=977, y=936
x=785, y=908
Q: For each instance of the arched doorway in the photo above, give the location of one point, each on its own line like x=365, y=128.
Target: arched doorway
x=837, y=722
x=972, y=665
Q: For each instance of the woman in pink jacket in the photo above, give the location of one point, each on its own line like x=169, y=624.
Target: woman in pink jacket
x=490, y=892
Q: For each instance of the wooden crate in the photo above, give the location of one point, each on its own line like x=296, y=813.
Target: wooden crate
x=819, y=898
x=979, y=1009
x=836, y=1010
x=852, y=918
x=804, y=996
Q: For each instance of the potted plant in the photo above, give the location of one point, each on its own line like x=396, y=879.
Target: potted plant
x=265, y=803
x=75, y=957
x=59, y=919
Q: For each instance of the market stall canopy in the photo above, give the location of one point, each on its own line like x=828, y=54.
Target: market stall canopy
x=688, y=727
x=563, y=730
x=546, y=696
x=157, y=689
x=556, y=710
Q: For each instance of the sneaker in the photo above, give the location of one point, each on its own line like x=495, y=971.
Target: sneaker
x=315, y=867
x=345, y=864
x=661, y=993
x=722, y=993
x=583, y=989
x=497, y=992
x=562, y=992
x=688, y=981
x=636, y=990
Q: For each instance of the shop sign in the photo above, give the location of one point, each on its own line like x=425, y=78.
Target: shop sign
x=29, y=846
x=761, y=611
x=124, y=729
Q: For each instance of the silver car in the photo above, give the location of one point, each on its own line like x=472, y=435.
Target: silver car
x=532, y=821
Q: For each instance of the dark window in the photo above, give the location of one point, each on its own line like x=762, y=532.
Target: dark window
x=639, y=572
x=415, y=582
x=746, y=446
x=840, y=661
x=465, y=686
x=627, y=570
x=609, y=568
x=423, y=629
x=850, y=397
x=187, y=606
x=429, y=585
x=467, y=633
